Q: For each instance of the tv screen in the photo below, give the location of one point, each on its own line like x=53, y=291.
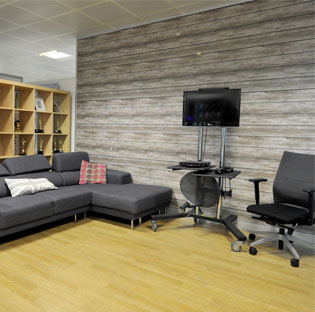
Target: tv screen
x=217, y=108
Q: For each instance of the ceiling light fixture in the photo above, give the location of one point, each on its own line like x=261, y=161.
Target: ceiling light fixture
x=55, y=54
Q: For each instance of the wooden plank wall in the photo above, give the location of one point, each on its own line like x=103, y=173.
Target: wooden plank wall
x=130, y=85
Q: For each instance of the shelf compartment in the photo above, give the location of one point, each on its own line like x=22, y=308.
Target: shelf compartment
x=61, y=103
x=6, y=145
x=24, y=98
x=27, y=121
x=61, y=141
x=64, y=123
x=46, y=143
x=6, y=117
x=47, y=96
x=46, y=120
x=29, y=144
x=6, y=95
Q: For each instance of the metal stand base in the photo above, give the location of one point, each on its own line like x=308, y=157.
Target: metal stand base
x=194, y=213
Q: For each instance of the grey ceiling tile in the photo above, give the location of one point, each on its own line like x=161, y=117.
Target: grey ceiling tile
x=23, y=32
x=183, y=2
x=15, y=53
x=162, y=14
x=203, y=5
x=17, y=15
x=94, y=31
x=6, y=25
x=33, y=48
x=76, y=21
x=76, y=4
x=129, y=22
x=71, y=38
x=12, y=41
x=49, y=27
x=106, y=12
x=144, y=7
x=55, y=44
x=46, y=8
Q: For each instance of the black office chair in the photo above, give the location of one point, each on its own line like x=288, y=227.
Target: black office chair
x=293, y=192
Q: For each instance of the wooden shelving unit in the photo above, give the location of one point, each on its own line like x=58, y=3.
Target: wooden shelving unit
x=19, y=120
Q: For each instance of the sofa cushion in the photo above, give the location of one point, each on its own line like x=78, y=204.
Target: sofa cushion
x=3, y=171
x=53, y=177
x=69, y=161
x=19, y=187
x=131, y=198
x=25, y=164
x=4, y=190
x=70, y=177
x=67, y=198
x=92, y=173
x=24, y=209
x=118, y=177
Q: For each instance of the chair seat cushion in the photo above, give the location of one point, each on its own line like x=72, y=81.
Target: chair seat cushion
x=24, y=209
x=284, y=214
x=67, y=198
x=131, y=198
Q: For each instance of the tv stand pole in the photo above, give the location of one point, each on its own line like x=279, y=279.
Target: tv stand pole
x=200, y=143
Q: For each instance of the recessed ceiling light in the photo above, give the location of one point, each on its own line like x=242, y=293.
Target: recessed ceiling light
x=55, y=54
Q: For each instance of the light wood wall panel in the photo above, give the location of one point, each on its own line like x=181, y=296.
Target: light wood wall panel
x=130, y=85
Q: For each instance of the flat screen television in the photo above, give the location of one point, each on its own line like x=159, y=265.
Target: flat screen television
x=212, y=108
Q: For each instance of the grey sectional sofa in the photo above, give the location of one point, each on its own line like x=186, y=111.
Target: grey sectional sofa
x=119, y=197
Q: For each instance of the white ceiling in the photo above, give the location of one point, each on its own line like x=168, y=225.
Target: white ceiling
x=31, y=27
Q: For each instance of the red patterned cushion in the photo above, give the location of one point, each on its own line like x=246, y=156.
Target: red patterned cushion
x=92, y=173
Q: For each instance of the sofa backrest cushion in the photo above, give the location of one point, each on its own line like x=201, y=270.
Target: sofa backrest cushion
x=4, y=190
x=52, y=177
x=3, y=171
x=25, y=164
x=69, y=161
x=70, y=177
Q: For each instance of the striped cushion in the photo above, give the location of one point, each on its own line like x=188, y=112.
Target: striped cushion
x=20, y=187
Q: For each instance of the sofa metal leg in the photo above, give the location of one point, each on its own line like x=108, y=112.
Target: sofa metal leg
x=75, y=218
x=84, y=216
x=140, y=221
x=131, y=224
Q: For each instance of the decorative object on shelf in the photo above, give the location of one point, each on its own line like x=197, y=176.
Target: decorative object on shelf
x=60, y=146
x=58, y=130
x=22, y=151
x=17, y=126
x=40, y=104
x=55, y=146
x=17, y=99
x=56, y=108
x=40, y=126
x=40, y=150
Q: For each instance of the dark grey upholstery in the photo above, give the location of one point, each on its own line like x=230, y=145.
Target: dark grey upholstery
x=24, y=209
x=68, y=161
x=3, y=171
x=69, y=197
x=4, y=190
x=53, y=177
x=34, y=163
x=131, y=198
x=118, y=177
x=70, y=177
x=296, y=172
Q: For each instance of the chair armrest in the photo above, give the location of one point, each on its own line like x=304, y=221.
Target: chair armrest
x=256, y=185
x=311, y=203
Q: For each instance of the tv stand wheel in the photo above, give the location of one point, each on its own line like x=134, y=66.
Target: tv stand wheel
x=154, y=226
x=253, y=251
x=182, y=209
x=295, y=262
x=236, y=246
x=252, y=236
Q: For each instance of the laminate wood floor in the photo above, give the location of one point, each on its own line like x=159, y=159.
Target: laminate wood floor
x=99, y=265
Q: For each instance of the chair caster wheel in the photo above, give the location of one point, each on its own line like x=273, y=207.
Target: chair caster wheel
x=252, y=236
x=253, y=251
x=236, y=246
x=154, y=226
x=295, y=262
x=182, y=209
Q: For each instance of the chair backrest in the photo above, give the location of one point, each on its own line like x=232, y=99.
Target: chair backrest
x=296, y=172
